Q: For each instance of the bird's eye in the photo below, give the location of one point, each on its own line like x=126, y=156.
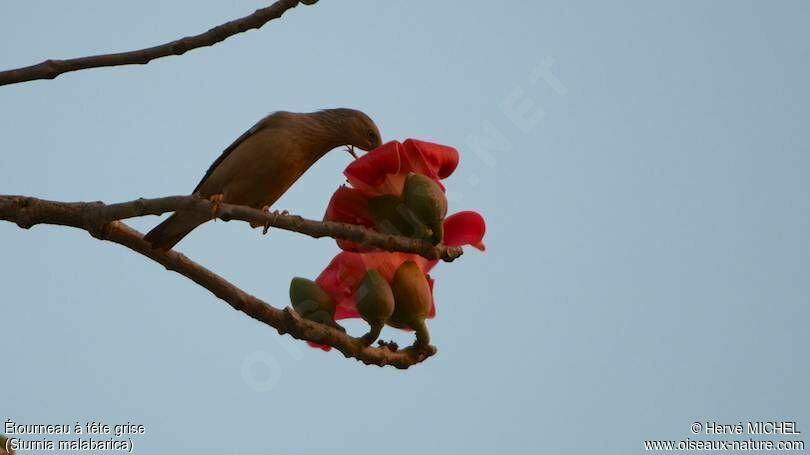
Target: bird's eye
x=371, y=134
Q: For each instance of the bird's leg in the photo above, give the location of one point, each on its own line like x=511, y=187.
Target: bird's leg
x=216, y=200
x=350, y=149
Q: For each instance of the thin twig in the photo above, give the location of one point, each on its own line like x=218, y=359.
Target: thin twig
x=50, y=69
x=93, y=218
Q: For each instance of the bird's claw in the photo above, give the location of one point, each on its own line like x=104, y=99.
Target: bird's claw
x=271, y=221
x=267, y=222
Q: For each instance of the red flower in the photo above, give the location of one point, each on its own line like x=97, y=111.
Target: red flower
x=343, y=275
x=383, y=171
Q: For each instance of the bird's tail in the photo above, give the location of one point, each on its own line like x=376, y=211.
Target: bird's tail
x=166, y=234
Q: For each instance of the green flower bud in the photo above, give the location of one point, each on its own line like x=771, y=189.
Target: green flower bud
x=375, y=303
x=312, y=302
x=412, y=299
x=375, y=300
x=392, y=216
x=427, y=202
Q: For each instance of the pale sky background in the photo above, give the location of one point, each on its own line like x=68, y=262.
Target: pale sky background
x=648, y=259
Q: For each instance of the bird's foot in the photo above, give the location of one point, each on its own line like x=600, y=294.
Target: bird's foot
x=216, y=201
x=270, y=221
x=266, y=210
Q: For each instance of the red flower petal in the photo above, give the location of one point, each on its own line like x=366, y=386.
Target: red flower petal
x=339, y=279
x=433, y=160
x=349, y=205
x=320, y=346
x=465, y=228
x=368, y=173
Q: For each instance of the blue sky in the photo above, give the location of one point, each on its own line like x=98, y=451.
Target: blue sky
x=642, y=167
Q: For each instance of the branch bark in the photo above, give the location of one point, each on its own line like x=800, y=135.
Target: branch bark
x=50, y=69
x=101, y=221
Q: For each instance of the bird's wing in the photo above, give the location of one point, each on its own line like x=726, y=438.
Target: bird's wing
x=263, y=123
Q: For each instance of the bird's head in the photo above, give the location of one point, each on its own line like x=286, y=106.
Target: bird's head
x=356, y=129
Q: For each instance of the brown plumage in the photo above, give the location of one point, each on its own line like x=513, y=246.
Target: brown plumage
x=266, y=160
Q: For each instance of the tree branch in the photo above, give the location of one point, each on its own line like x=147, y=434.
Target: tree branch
x=50, y=69
x=29, y=211
x=101, y=221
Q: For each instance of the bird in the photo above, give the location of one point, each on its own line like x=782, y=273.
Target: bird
x=265, y=161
